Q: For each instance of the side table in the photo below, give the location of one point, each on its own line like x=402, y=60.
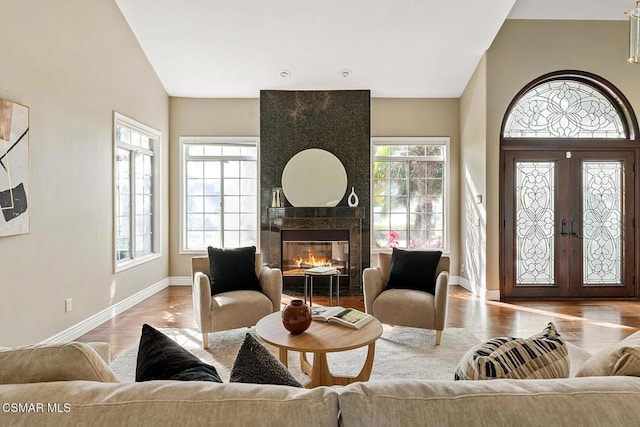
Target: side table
x=309, y=274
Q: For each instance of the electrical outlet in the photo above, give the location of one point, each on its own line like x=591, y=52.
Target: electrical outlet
x=68, y=305
x=461, y=268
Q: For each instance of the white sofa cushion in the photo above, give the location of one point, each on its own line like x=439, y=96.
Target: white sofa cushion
x=171, y=403
x=610, y=401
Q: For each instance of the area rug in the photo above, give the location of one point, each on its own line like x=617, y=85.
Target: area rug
x=401, y=353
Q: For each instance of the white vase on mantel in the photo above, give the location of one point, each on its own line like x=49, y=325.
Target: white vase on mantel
x=353, y=199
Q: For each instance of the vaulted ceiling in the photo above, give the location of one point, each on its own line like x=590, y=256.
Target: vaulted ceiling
x=395, y=48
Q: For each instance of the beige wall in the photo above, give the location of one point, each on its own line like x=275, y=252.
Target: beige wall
x=72, y=63
x=524, y=50
x=426, y=117
x=202, y=117
x=241, y=117
x=473, y=137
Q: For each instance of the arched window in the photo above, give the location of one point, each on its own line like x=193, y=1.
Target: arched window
x=568, y=105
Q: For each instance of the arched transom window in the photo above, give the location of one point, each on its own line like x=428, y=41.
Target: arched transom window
x=565, y=108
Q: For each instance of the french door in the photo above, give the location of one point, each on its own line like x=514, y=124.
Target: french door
x=568, y=229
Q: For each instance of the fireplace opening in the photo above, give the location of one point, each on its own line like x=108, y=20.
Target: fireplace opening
x=304, y=249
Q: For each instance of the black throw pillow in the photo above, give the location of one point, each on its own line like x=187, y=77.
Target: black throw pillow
x=414, y=270
x=254, y=364
x=161, y=358
x=233, y=270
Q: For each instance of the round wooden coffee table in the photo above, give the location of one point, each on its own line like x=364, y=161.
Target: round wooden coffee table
x=321, y=338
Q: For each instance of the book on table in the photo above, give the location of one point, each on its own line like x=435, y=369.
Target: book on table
x=349, y=317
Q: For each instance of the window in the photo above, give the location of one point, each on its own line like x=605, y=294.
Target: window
x=565, y=109
x=136, y=182
x=219, y=193
x=408, y=191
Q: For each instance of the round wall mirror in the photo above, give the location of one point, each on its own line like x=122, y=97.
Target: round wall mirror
x=314, y=178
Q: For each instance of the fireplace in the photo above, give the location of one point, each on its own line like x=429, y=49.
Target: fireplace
x=331, y=233
x=303, y=249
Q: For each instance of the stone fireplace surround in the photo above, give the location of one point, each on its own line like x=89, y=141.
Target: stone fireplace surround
x=338, y=218
x=335, y=121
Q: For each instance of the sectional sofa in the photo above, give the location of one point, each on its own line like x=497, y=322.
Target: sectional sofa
x=37, y=389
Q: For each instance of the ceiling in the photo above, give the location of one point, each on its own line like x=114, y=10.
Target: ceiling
x=395, y=48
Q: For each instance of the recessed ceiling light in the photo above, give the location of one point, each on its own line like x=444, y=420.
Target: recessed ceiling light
x=285, y=74
x=345, y=73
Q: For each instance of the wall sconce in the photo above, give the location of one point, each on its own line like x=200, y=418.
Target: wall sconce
x=634, y=34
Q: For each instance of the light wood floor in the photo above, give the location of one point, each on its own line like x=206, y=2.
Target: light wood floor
x=592, y=325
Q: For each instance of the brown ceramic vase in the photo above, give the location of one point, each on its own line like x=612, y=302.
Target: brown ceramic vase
x=296, y=317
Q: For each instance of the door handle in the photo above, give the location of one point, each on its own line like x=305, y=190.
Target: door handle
x=564, y=228
x=574, y=228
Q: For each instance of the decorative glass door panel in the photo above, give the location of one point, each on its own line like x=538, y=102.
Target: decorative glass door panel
x=602, y=230
x=601, y=238
x=568, y=229
x=535, y=219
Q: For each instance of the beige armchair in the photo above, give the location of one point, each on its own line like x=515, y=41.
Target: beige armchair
x=406, y=307
x=235, y=309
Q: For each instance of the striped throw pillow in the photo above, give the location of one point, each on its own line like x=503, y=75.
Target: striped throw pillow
x=538, y=357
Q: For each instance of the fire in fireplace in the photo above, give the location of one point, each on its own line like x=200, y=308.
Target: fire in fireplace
x=303, y=249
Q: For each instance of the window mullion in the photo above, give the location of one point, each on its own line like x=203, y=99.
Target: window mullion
x=408, y=201
x=222, y=209
x=152, y=196
x=220, y=158
x=135, y=148
x=132, y=203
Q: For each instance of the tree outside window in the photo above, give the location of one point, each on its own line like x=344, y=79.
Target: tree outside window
x=408, y=193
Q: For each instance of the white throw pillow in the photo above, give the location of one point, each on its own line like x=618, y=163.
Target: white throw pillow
x=620, y=359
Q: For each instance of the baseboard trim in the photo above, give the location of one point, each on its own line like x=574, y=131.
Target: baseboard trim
x=493, y=295
x=99, y=318
x=485, y=294
x=180, y=281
